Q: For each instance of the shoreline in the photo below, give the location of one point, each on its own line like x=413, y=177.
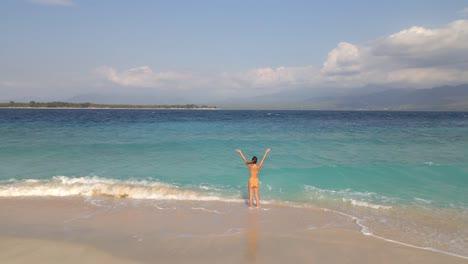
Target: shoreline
x=110, y=108
x=242, y=109
x=199, y=232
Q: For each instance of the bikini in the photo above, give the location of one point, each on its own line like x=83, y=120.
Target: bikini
x=253, y=182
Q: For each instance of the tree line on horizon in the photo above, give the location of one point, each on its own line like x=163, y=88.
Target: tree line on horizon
x=34, y=104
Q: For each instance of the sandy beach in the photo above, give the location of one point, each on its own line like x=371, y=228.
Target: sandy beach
x=54, y=230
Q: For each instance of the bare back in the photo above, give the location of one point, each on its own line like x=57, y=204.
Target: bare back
x=254, y=169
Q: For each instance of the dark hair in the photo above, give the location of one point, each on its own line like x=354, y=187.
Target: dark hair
x=254, y=160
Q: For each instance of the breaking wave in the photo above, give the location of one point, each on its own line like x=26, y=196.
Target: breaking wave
x=100, y=187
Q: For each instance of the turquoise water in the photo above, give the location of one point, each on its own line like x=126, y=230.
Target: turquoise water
x=373, y=165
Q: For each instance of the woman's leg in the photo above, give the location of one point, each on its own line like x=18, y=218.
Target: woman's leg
x=256, y=196
x=250, y=195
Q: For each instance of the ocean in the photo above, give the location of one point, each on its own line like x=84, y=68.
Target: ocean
x=402, y=175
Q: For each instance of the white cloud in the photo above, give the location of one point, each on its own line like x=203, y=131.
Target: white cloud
x=143, y=77
x=253, y=82
x=424, y=44
x=344, y=59
x=14, y=84
x=426, y=77
x=414, y=57
x=53, y=2
x=268, y=78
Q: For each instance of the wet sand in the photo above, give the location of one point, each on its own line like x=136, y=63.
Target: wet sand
x=16, y=250
x=72, y=230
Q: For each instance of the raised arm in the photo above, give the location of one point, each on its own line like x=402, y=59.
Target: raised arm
x=242, y=156
x=264, y=156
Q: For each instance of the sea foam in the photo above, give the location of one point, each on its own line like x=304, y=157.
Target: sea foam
x=347, y=196
x=101, y=187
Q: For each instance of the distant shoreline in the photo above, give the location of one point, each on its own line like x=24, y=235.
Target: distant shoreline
x=88, y=105
x=111, y=108
x=231, y=109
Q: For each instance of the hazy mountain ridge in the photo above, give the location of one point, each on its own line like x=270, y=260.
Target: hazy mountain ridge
x=438, y=98
x=444, y=98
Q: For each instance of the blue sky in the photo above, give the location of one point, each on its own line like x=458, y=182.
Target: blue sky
x=56, y=49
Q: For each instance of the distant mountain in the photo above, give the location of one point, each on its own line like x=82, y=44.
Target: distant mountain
x=442, y=98
x=438, y=98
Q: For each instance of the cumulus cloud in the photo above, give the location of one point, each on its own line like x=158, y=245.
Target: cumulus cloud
x=414, y=57
x=53, y=2
x=270, y=78
x=344, y=59
x=253, y=82
x=427, y=46
x=144, y=77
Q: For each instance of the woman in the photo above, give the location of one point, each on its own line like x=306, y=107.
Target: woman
x=253, y=180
